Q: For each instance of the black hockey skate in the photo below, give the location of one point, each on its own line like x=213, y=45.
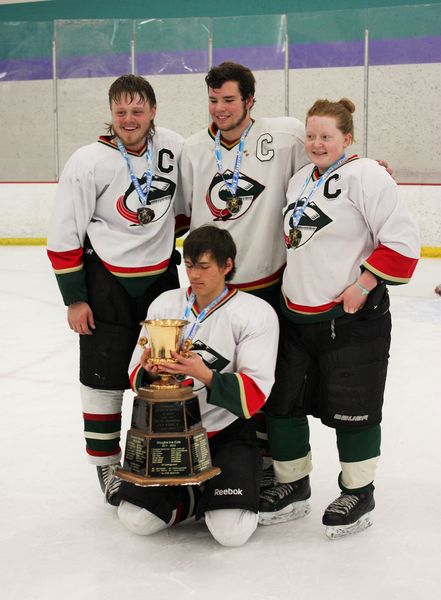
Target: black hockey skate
x=109, y=483
x=268, y=478
x=350, y=513
x=285, y=502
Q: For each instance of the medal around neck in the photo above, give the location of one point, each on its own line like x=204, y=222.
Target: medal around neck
x=234, y=205
x=145, y=215
x=166, y=444
x=295, y=234
x=295, y=237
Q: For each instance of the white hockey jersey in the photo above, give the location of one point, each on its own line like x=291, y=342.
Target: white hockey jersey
x=353, y=221
x=96, y=197
x=273, y=152
x=238, y=340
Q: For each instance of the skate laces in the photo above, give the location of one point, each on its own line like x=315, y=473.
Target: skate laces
x=279, y=491
x=268, y=477
x=344, y=504
x=111, y=482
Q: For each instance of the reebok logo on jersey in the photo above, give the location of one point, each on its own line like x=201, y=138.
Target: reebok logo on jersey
x=228, y=492
x=351, y=417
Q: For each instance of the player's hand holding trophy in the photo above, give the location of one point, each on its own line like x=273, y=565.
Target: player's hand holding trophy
x=166, y=444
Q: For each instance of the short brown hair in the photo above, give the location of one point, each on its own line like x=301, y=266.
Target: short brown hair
x=232, y=71
x=218, y=242
x=131, y=86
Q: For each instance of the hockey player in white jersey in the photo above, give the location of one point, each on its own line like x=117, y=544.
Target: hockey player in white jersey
x=234, y=338
x=235, y=174
x=111, y=244
x=347, y=236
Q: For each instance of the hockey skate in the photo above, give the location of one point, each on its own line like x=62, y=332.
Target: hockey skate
x=349, y=513
x=285, y=502
x=109, y=483
x=268, y=478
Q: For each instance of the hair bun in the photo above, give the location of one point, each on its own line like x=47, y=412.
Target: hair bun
x=348, y=104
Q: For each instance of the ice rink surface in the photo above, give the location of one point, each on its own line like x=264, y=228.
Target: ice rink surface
x=58, y=540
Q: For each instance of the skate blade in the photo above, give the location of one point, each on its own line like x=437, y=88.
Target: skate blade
x=296, y=510
x=335, y=532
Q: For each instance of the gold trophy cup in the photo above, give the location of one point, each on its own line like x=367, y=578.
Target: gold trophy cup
x=166, y=444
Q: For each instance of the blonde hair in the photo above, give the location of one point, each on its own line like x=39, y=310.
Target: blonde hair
x=341, y=111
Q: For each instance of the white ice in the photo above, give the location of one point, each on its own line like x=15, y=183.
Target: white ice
x=60, y=541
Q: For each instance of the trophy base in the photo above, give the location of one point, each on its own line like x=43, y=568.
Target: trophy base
x=166, y=444
x=151, y=481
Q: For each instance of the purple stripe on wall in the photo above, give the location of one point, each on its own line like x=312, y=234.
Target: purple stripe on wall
x=106, y=65
x=257, y=58
x=331, y=54
x=405, y=51
x=351, y=54
x=25, y=69
x=172, y=63
x=301, y=56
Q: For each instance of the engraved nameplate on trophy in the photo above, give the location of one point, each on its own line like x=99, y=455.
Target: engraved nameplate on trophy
x=167, y=444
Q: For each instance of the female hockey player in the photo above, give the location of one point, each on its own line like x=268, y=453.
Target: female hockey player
x=347, y=236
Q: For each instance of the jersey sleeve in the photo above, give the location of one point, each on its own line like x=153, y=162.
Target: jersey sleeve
x=246, y=390
x=74, y=206
x=395, y=233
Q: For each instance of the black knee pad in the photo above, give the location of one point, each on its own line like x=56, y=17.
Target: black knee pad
x=354, y=376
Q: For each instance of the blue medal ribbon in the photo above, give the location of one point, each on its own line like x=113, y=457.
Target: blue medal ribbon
x=142, y=195
x=231, y=187
x=201, y=316
x=297, y=211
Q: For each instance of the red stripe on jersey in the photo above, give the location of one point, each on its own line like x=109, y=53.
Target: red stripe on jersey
x=94, y=417
x=390, y=265
x=308, y=310
x=260, y=283
x=254, y=397
x=69, y=259
x=137, y=270
x=133, y=378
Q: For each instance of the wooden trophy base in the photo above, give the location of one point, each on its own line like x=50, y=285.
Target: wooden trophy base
x=150, y=481
x=166, y=444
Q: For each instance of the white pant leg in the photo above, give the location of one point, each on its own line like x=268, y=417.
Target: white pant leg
x=231, y=526
x=139, y=520
x=102, y=402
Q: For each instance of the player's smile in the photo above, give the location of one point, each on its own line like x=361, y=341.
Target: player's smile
x=324, y=142
x=131, y=121
x=230, y=113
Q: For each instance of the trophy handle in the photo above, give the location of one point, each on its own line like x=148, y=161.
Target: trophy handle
x=143, y=341
x=185, y=348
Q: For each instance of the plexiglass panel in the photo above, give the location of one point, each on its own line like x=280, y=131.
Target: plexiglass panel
x=404, y=91
x=326, y=53
x=171, y=46
x=259, y=43
x=93, y=48
x=27, y=147
x=90, y=55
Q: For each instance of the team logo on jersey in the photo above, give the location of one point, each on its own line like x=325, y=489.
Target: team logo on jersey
x=313, y=219
x=213, y=360
x=160, y=197
x=226, y=207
